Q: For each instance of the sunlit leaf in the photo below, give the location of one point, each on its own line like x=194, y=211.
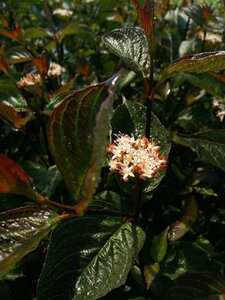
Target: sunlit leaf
x=110, y=247
x=21, y=230
x=77, y=132
x=131, y=45
x=195, y=63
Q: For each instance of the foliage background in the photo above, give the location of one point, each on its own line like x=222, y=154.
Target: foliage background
x=189, y=203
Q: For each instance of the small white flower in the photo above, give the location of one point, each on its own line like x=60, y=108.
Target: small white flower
x=138, y=157
x=62, y=12
x=55, y=70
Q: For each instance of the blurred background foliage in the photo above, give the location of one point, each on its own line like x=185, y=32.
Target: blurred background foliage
x=186, y=104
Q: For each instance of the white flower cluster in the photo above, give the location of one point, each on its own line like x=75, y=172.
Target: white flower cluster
x=135, y=157
x=62, y=12
x=55, y=70
x=28, y=80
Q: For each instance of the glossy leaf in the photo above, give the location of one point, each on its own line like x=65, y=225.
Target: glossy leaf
x=159, y=246
x=181, y=227
x=196, y=286
x=71, y=272
x=131, y=45
x=17, y=55
x=21, y=230
x=14, y=180
x=188, y=257
x=109, y=202
x=195, y=63
x=44, y=179
x=209, y=145
x=13, y=117
x=77, y=133
x=135, y=116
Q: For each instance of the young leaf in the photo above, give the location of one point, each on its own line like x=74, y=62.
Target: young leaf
x=70, y=272
x=14, y=180
x=146, y=16
x=135, y=116
x=195, y=63
x=207, y=286
x=159, y=246
x=131, y=45
x=209, y=145
x=13, y=117
x=150, y=272
x=17, y=55
x=77, y=133
x=21, y=230
x=181, y=227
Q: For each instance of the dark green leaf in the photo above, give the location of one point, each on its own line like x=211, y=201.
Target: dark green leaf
x=109, y=201
x=88, y=257
x=44, y=179
x=196, y=286
x=209, y=145
x=21, y=230
x=131, y=45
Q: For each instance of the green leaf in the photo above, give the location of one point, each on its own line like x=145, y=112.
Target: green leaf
x=44, y=179
x=150, y=272
x=21, y=230
x=209, y=145
x=109, y=202
x=208, y=82
x=34, y=33
x=195, y=63
x=131, y=45
x=135, y=116
x=159, y=246
x=196, y=286
x=187, y=257
x=17, y=55
x=78, y=132
x=88, y=257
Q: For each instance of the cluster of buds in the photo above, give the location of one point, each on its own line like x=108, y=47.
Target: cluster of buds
x=132, y=157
